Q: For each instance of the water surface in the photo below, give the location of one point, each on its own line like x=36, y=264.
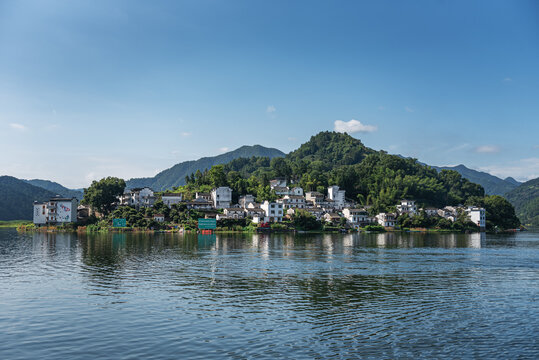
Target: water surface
x=146, y=296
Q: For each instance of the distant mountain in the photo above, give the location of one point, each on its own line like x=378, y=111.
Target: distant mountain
x=493, y=185
x=56, y=188
x=175, y=176
x=17, y=197
x=525, y=199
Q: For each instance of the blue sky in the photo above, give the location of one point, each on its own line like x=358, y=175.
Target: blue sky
x=126, y=88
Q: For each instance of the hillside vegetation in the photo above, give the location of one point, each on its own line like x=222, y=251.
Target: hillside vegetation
x=17, y=198
x=525, y=199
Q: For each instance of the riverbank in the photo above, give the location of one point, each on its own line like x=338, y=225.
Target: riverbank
x=14, y=223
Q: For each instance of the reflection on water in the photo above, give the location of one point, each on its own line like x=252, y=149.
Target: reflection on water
x=259, y=295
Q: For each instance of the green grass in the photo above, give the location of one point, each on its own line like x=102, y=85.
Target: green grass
x=13, y=223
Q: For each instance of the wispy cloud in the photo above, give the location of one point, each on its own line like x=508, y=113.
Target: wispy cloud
x=291, y=139
x=523, y=170
x=224, y=149
x=18, y=127
x=271, y=109
x=507, y=79
x=409, y=109
x=186, y=133
x=353, y=126
x=381, y=108
x=458, y=147
x=487, y=149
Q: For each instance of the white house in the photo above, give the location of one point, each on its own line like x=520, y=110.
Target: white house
x=292, y=202
x=430, y=211
x=171, y=198
x=221, y=197
x=234, y=213
x=407, y=207
x=56, y=211
x=356, y=217
x=386, y=219
x=297, y=191
x=280, y=182
x=251, y=212
x=281, y=190
x=159, y=217
x=203, y=195
x=273, y=210
x=337, y=195
x=314, y=196
x=138, y=197
x=477, y=216
x=245, y=200
x=200, y=204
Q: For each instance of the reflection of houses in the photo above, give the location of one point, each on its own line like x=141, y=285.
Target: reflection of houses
x=171, y=198
x=138, y=197
x=477, y=216
x=56, y=211
x=221, y=197
x=273, y=210
x=407, y=207
x=386, y=219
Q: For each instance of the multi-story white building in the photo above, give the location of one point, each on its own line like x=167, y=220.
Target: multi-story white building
x=221, y=197
x=356, y=217
x=407, y=207
x=281, y=190
x=337, y=195
x=386, y=219
x=245, y=200
x=56, y=211
x=171, y=198
x=477, y=216
x=234, y=213
x=273, y=210
x=138, y=197
x=292, y=202
x=200, y=204
x=314, y=196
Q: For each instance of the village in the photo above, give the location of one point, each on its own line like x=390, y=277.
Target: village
x=332, y=209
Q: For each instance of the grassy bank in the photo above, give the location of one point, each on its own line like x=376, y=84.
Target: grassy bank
x=13, y=223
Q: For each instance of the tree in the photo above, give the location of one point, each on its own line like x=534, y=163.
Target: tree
x=103, y=194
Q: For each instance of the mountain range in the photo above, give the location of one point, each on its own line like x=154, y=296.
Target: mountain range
x=175, y=176
x=14, y=192
x=493, y=185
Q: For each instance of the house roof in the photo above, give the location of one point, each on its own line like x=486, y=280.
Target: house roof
x=314, y=193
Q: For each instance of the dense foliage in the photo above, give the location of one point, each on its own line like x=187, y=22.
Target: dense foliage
x=525, y=199
x=17, y=198
x=102, y=195
x=373, y=178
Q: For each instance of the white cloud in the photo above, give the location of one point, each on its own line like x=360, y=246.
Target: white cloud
x=271, y=109
x=522, y=170
x=487, y=149
x=381, y=108
x=291, y=139
x=458, y=147
x=353, y=126
x=18, y=127
x=186, y=133
x=224, y=149
x=507, y=79
x=409, y=109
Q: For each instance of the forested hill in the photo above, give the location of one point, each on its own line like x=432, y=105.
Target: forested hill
x=372, y=177
x=17, y=198
x=525, y=199
x=56, y=188
x=175, y=176
x=493, y=185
